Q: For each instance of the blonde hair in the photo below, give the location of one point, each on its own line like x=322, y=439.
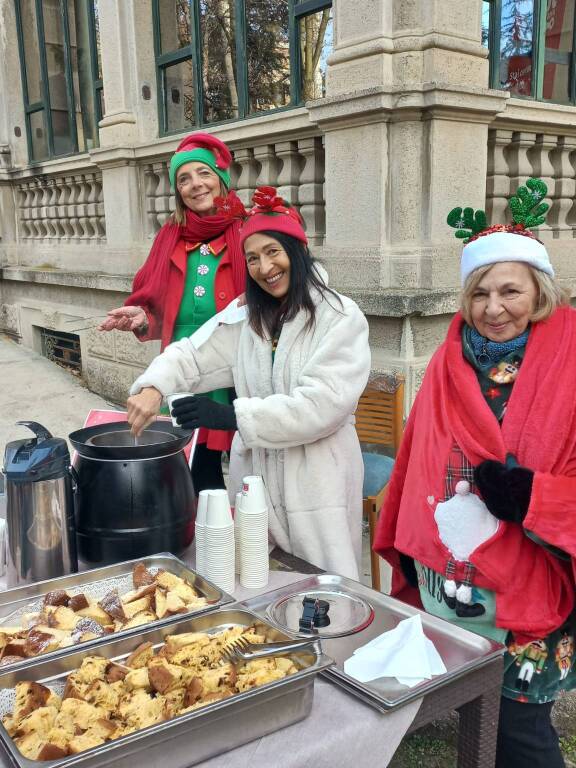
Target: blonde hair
x=180, y=208
x=551, y=295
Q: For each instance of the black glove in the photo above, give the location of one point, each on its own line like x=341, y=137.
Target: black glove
x=506, y=491
x=408, y=569
x=193, y=412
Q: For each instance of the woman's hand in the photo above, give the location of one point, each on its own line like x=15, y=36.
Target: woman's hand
x=506, y=490
x=124, y=319
x=143, y=409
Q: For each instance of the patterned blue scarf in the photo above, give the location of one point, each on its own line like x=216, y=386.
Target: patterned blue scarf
x=491, y=352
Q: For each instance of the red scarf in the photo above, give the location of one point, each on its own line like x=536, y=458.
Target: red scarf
x=151, y=280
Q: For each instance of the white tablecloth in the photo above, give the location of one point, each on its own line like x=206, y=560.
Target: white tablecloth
x=340, y=732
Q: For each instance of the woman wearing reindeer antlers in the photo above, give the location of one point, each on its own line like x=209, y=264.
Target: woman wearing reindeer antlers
x=480, y=519
x=195, y=268
x=299, y=362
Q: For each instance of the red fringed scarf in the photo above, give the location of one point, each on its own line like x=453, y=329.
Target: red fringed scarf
x=151, y=280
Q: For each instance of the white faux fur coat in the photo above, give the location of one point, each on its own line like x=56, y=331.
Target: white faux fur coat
x=295, y=421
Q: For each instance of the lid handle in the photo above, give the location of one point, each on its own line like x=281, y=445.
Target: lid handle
x=41, y=432
x=315, y=614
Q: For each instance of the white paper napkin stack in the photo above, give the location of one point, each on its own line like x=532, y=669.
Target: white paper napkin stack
x=404, y=653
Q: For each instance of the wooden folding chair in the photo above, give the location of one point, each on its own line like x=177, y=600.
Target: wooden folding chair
x=379, y=421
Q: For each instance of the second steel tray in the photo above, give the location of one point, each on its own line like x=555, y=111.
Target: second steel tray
x=460, y=650
x=96, y=583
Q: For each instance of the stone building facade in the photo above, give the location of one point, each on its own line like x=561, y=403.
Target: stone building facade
x=408, y=128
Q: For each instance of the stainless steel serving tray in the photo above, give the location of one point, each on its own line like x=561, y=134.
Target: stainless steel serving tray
x=461, y=650
x=192, y=737
x=98, y=582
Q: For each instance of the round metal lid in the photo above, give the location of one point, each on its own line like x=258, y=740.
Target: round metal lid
x=347, y=613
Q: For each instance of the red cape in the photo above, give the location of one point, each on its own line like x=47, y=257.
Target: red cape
x=534, y=590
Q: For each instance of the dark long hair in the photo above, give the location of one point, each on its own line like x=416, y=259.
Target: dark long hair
x=267, y=314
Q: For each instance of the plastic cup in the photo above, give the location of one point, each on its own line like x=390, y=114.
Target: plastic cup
x=218, y=514
x=171, y=399
x=253, y=495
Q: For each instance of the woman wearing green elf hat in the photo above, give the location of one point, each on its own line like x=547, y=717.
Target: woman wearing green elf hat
x=479, y=523
x=195, y=268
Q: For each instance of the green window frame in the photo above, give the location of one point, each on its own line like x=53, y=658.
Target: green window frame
x=43, y=105
x=298, y=11
x=540, y=55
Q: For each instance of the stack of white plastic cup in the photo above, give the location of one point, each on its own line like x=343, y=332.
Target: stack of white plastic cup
x=253, y=534
x=200, y=532
x=219, y=558
x=238, y=529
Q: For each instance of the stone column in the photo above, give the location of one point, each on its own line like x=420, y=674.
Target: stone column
x=406, y=126
x=118, y=125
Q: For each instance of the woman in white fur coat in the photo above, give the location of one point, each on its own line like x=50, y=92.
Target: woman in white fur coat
x=299, y=364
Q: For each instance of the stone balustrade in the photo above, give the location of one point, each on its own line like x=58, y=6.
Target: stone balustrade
x=295, y=167
x=515, y=155
x=63, y=209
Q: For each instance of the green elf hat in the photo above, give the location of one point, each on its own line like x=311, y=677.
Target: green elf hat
x=202, y=148
x=504, y=242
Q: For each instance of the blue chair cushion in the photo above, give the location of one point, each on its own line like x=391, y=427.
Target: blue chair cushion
x=377, y=471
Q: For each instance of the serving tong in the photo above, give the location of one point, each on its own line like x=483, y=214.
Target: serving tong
x=242, y=649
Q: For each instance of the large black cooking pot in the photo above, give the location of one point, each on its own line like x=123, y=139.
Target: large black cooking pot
x=134, y=498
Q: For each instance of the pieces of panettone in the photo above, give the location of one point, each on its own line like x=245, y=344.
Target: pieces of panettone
x=92, y=668
x=139, y=709
x=186, y=593
x=30, y=745
x=39, y=642
x=51, y=751
x=116, y=672
x=174, y=603
x=78, y=602
x=160, y=603
x=31, y=696
x=163, y=676
x=112, y=604
x=102, y=695
x=174, y=702
x=140, y=656
x=94, y=611
x=62, y=617
x=39, y=721
x=137, y=606
x=137, y=679
x=80, y=713
x=84, y=741
x=141, y=618
x=168, y=580
x=141, y=576
x=137, y=594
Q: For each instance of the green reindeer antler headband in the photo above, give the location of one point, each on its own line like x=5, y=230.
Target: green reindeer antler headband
x=501, y=242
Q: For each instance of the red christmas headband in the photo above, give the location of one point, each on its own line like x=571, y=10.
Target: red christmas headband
x=269, y=212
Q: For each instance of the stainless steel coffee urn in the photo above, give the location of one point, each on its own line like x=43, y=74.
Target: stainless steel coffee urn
x=40, y=508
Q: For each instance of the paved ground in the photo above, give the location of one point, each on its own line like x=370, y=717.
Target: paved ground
x=34, y=389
